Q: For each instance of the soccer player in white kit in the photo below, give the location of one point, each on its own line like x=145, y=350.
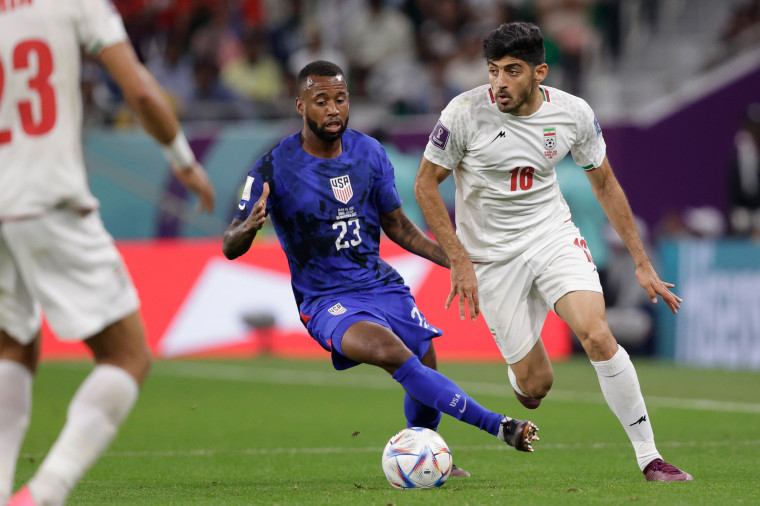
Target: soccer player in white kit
x=516, y=252
x=55, y=255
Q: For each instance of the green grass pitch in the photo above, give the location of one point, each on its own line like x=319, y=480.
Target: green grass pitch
x=272, y=431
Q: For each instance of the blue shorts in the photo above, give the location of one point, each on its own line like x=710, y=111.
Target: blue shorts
x=328, y=317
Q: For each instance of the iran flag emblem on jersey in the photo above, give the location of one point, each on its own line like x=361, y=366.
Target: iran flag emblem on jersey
x=341, y=187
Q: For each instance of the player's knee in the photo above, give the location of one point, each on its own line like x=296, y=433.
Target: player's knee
x=538, y=385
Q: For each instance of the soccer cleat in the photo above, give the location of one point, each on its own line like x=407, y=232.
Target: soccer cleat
x=659, y=470
x=458, y=471
x=22, y=498
x=518, y=433
x=528, y=402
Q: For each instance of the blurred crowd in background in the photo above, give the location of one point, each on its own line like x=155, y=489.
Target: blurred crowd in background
x=237, y=59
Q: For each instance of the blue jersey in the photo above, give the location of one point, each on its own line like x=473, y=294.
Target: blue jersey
x=326, y=213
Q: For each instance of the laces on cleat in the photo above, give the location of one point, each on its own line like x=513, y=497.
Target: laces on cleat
x=519, y=434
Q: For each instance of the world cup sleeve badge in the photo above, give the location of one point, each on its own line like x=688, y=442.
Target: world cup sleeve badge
x=550, y=142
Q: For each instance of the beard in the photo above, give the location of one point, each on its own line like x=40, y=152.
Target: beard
x=322, y=133
x=515, y=102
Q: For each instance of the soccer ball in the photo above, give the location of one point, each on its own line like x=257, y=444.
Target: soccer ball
x=417, y=458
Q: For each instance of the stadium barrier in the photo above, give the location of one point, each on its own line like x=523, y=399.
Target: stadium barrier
x=718, y=324
x=196, y=302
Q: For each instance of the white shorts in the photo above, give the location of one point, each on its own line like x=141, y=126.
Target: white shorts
x=515, y=295
x=64, y=263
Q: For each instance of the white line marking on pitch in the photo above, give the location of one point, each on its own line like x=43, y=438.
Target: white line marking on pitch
x=280, y=376
x=377, y=449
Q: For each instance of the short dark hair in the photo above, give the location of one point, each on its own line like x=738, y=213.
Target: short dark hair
x=518, y=40
x=318, y=68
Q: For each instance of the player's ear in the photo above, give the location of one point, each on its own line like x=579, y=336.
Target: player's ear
x=540, y=72
x=300, y=106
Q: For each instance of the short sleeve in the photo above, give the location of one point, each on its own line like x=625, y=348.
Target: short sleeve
x=386, y=195
x=448, y=139
x=254, y=185
x=589, y=149
x=99, y=25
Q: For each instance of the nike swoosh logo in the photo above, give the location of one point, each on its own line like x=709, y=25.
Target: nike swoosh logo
x=464, y=406
x=241, y=206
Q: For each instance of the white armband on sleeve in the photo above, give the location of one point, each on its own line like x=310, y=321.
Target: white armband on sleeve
x=178, y=152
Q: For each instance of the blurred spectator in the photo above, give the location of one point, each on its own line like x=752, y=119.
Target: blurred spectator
x=569, y=23
x=215, y=38
x=704, y=222
x=743, y=28
x=379, y=35
x=210, y=98
x=314, y=50
x=744, y=184
x=467, y=69
x=255, y=74
x=173, y=69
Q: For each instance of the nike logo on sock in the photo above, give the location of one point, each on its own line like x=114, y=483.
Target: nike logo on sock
x=640, y=420
x=464, y=406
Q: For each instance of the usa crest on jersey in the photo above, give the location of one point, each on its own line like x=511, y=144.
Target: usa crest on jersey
x=341, y=187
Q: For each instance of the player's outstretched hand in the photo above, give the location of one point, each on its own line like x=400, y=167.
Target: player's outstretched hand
x=196, y=180
x=464, y=284
x=650, y=281
x=257, y=218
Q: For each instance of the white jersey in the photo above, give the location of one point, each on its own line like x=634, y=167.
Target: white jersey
x=41, y=161
x=507, y=192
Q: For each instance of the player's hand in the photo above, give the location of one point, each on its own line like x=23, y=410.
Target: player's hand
x=257, y=218
x=196, y=180
x=648, y=279
x=464, y=285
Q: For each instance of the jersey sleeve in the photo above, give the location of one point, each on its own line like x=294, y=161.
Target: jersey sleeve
x=99, y=25
x=254, y=185
x=448, y=139
x=386, y=195
x=589, y=148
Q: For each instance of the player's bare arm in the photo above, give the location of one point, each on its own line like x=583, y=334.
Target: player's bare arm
x=611, y=196
x=464, y=284
x=240, y=234
x=401, y=230
x=145, y=97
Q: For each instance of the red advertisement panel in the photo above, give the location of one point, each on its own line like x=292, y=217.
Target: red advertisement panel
x=196, y=302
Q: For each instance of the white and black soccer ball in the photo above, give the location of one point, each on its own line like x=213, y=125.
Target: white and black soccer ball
x=417, y=458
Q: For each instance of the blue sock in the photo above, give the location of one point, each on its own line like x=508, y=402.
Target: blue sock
x=437, y=391
x=419, y=415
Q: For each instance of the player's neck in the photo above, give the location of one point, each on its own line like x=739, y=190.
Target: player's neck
x=318, y=148
x=533, y=104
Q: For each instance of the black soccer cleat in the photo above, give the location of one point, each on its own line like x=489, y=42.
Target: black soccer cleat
x=519, y=434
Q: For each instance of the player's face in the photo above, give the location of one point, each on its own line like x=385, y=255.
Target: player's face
x=324, y=106
x=515, y=84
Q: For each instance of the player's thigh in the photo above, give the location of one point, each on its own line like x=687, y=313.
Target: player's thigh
x=408, y=322
x=72, y=267
x=123, y=344
x=371, y=343
x=20, y=314
x=511, y=307
x=25, y=354
x=534, y=370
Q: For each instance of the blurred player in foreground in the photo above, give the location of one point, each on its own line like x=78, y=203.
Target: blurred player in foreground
x=329, y=192
x=55, y=255
x=516, y=251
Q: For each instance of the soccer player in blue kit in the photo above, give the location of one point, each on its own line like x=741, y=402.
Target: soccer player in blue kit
x=329, y=191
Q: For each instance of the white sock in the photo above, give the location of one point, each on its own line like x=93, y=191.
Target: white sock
x=621, y=389
x=94, y=416
x=513, y=381
x=15, y=409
